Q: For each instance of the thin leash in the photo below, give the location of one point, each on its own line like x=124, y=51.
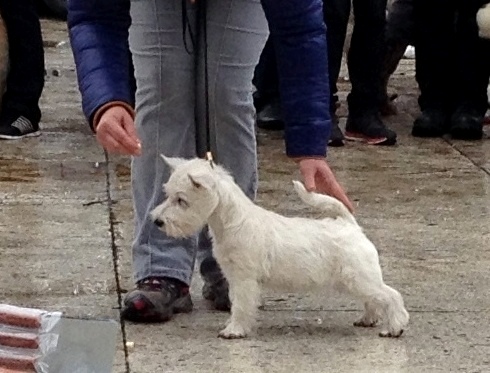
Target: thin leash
x=202, y=17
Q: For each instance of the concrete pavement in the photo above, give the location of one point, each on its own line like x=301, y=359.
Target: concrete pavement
x=66, y=208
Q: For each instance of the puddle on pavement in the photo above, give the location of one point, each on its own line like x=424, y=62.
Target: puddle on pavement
x=22, y=171
x=18, y=171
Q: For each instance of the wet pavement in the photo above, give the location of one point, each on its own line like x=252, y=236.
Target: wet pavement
x=66, y=209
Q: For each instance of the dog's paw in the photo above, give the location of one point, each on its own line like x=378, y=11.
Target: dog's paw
x=232, y=332
x=387, y=334
x=366, y=323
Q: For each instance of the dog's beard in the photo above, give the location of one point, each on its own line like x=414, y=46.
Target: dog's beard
x=178, y=230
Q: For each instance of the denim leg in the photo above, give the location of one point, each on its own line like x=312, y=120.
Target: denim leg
x=168, y=106
x=237, y=32
x=164, y=73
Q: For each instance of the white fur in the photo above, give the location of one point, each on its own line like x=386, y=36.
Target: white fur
x=483, y=20
x=256, y=247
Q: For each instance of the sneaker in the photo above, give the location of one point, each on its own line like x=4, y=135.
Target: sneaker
x=336, y=135
x=156, y=299
x=269, y=118
x=18, y=128
x=369, y=128
x=430, y=123
x=215, y=287
x=466, y=125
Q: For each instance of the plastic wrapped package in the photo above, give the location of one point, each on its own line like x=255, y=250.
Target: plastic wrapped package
x=38, y=341
x=27, y=336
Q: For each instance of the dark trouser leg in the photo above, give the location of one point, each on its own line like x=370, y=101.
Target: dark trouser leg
x=25, y=81
x=473, y=56
x=366, y=55
x=336, y=16
x=471, y=74
x=265, y=77
x=435, y=65
x=434, y=48
x=365, y=62
x=399, y=34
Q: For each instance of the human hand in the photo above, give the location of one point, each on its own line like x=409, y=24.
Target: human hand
x=318, y=177
x=116, y=132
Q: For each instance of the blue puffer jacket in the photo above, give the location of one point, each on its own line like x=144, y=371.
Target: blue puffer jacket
x=99, y=38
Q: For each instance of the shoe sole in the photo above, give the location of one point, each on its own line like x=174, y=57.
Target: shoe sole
x=272, y=125
x=466, y=135
x=32, y=134
x=337, y=143
x=183, y=305
x=351, y=136
x=424, y=133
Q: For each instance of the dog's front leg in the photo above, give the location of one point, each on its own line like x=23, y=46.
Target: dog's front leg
x=245, y=297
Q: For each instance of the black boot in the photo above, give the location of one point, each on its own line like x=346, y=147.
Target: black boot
x=430, y=123
x=466, y=124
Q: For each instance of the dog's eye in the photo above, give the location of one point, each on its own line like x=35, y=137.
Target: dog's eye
x=182, y=202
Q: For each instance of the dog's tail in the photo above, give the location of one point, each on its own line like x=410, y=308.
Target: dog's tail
x=331, y=206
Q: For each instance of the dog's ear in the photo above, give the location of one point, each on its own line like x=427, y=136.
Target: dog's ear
x=173, y=162
x=201, y=180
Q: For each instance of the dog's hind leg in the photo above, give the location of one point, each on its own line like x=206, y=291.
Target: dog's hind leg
x=387, y=303
x=380, y=300
x=245, y=299
x=370, y=317
x=396, y=316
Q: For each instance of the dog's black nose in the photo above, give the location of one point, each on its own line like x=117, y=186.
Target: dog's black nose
x=159, y=223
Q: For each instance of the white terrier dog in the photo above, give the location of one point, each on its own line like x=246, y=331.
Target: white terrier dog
x=256, y=247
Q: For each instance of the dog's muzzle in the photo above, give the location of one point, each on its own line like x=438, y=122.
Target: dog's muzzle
x=159, y=223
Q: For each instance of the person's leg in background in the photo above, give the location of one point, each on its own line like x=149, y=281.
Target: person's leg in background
x=399, y=35
x=266, y=98
x=472, y=74
x=365, y=62
x=20, y=113
x=237, y=32
x=435, y=64
x=336, y=16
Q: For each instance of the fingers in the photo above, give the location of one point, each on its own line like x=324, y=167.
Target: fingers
x=116, y=132
x=335, y=189
x=128, y=124
x=342, y=197
x=309, y=178
x=125, y=144
x=110, y=144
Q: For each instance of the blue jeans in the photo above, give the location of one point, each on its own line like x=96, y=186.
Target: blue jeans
x=170, y=115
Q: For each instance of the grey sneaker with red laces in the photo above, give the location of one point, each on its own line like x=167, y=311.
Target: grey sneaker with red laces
x=156, y=299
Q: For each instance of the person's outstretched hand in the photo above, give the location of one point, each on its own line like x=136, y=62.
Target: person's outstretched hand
x=116, y=132
x=318, y=177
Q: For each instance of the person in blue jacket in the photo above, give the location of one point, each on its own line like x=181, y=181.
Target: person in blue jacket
x=168, y=114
